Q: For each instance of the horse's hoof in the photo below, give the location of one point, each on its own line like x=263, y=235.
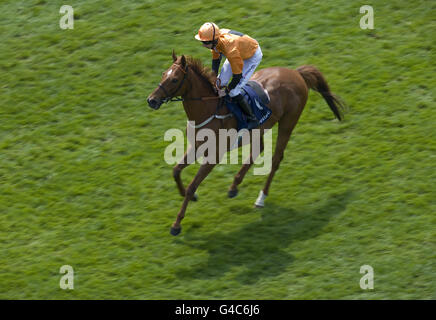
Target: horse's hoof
x=260, y=200
x=233, y=193
x=175, y=231
x=257, y=206
x=195, y=197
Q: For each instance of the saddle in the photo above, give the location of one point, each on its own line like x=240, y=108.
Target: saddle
x=260, y=91
x=258, y=99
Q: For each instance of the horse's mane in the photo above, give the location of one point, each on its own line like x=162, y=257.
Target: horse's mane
x=204, y=72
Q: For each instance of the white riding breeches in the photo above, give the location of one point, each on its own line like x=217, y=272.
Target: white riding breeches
x=248, y=69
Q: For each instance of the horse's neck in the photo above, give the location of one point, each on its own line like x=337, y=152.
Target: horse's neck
x=198, y=110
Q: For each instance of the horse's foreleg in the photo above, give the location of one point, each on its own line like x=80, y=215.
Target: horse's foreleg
x=177, y=170
x=239, y=177
x=202, y=173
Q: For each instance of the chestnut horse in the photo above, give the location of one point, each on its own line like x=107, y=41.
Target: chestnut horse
x=196, y=85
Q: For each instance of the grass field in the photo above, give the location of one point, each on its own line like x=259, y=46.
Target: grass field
x=83, y=181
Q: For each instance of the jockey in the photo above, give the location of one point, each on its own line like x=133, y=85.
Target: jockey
x=243, y=55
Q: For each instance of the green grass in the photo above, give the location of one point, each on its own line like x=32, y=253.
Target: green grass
x=84, y=181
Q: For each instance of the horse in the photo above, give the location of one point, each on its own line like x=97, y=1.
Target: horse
x=196, y=85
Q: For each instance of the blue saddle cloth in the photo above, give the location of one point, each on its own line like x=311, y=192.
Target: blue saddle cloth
x=260, y=110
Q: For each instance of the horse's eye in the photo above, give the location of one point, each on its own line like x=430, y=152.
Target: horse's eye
x=174, y=80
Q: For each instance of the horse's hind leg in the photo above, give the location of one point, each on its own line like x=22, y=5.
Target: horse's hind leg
x=233, y=190
x=286, y=126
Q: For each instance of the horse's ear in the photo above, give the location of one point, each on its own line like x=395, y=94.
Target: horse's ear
x=174, y=56
x=183, y=61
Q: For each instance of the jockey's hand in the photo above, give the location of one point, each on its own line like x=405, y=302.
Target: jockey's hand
x=221, y=92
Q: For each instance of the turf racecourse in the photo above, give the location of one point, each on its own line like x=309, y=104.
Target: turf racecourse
x=83, y=181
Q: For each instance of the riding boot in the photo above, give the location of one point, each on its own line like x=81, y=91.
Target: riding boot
x=253, y=122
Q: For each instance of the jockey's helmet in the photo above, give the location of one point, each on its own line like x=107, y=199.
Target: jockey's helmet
x=208, y=32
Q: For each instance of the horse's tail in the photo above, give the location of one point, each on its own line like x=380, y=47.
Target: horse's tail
x=316, y=81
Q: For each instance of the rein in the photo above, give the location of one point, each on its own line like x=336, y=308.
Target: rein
x=173, y=98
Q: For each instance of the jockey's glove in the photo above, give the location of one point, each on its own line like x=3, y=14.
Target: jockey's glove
x=235, y=80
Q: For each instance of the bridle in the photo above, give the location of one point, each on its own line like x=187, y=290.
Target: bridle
x=172, y=97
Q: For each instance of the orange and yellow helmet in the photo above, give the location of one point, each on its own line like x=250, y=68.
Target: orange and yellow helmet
x=208, y=32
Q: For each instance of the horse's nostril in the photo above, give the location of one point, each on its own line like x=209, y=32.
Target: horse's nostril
x=153, y=103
